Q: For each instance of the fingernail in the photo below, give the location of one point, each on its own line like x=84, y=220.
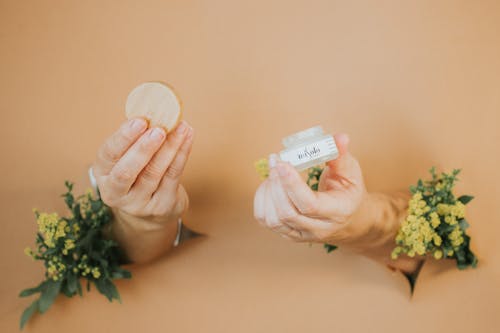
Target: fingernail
x=182, y=127
x=157, y=134
x=272, y=160
x=137, y=124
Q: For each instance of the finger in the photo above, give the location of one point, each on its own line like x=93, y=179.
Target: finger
x=117, y=144
x=284, y=207
x=171, y=179
x=345, y=167
x=175, y=169
x=302, y=197
x=273, y=221
x=271, y=218
x=259, y=205
x=288, y=214
x=126, y=170
x=150, y=177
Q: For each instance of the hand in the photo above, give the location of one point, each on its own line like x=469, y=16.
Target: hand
x=342, y=212
x=286, y=204
x=138, y=170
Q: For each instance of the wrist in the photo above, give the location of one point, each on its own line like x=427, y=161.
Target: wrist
x=144, y=223
x=373, y=227
x=142, y=239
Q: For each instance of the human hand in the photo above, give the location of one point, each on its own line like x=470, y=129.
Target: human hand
x=285, y=204
x=342, y=212
x=138, y=170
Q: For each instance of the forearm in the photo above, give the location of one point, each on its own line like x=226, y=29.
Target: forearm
x=375, y=226
x=142, y=240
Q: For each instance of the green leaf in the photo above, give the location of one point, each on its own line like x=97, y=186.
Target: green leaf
x=69, y=185
x=68, y=196
x=329, y=247
x=463, y=224
x=121, y=274
x=27, y=313
x=48, y=295
x=79, y=287
x=31, y=291
x=65, y=291
x=465, y=199
x=108, y=289
x=72, y=283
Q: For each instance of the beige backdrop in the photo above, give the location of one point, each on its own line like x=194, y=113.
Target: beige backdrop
x=414, y=83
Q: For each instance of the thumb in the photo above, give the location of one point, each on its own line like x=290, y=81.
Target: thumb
x=345, y=165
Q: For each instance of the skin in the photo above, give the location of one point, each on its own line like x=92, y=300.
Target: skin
x=138, y=173
x=342, y=212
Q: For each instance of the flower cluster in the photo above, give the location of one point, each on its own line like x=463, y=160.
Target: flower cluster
x=262, y=168
x=435, y=223
x=74, y=248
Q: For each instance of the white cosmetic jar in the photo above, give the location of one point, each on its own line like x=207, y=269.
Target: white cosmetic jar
x=309, y=148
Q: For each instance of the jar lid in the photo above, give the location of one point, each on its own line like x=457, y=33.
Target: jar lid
x=300, y=137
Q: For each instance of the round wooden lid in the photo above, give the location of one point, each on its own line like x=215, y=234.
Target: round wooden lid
x=155, y=102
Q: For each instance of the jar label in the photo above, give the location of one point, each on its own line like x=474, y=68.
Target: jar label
x=309, y=152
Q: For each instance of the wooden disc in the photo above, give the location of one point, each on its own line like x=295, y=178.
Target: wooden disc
x=155, y=102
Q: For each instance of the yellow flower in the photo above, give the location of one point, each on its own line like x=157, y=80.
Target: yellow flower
x=420, y=249
x=89, y=192
x=458, y=210
x=262, y=168
x=395, y=253
x=417, y=231
x=438, y=254
x=437, y=240
x=455, y=234
x=96, y=273
x=47, y=224
x=52, y=271
x=435, y=220
x=60, y=231
x=417, y=196
x=69, y=244
x=421, y=231
x=76, y=229
x=84, y=206
x=443, y=209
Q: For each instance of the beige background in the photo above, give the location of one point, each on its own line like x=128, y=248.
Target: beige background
x=414, y=83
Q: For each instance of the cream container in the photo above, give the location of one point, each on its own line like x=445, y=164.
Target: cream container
x=309, y=148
